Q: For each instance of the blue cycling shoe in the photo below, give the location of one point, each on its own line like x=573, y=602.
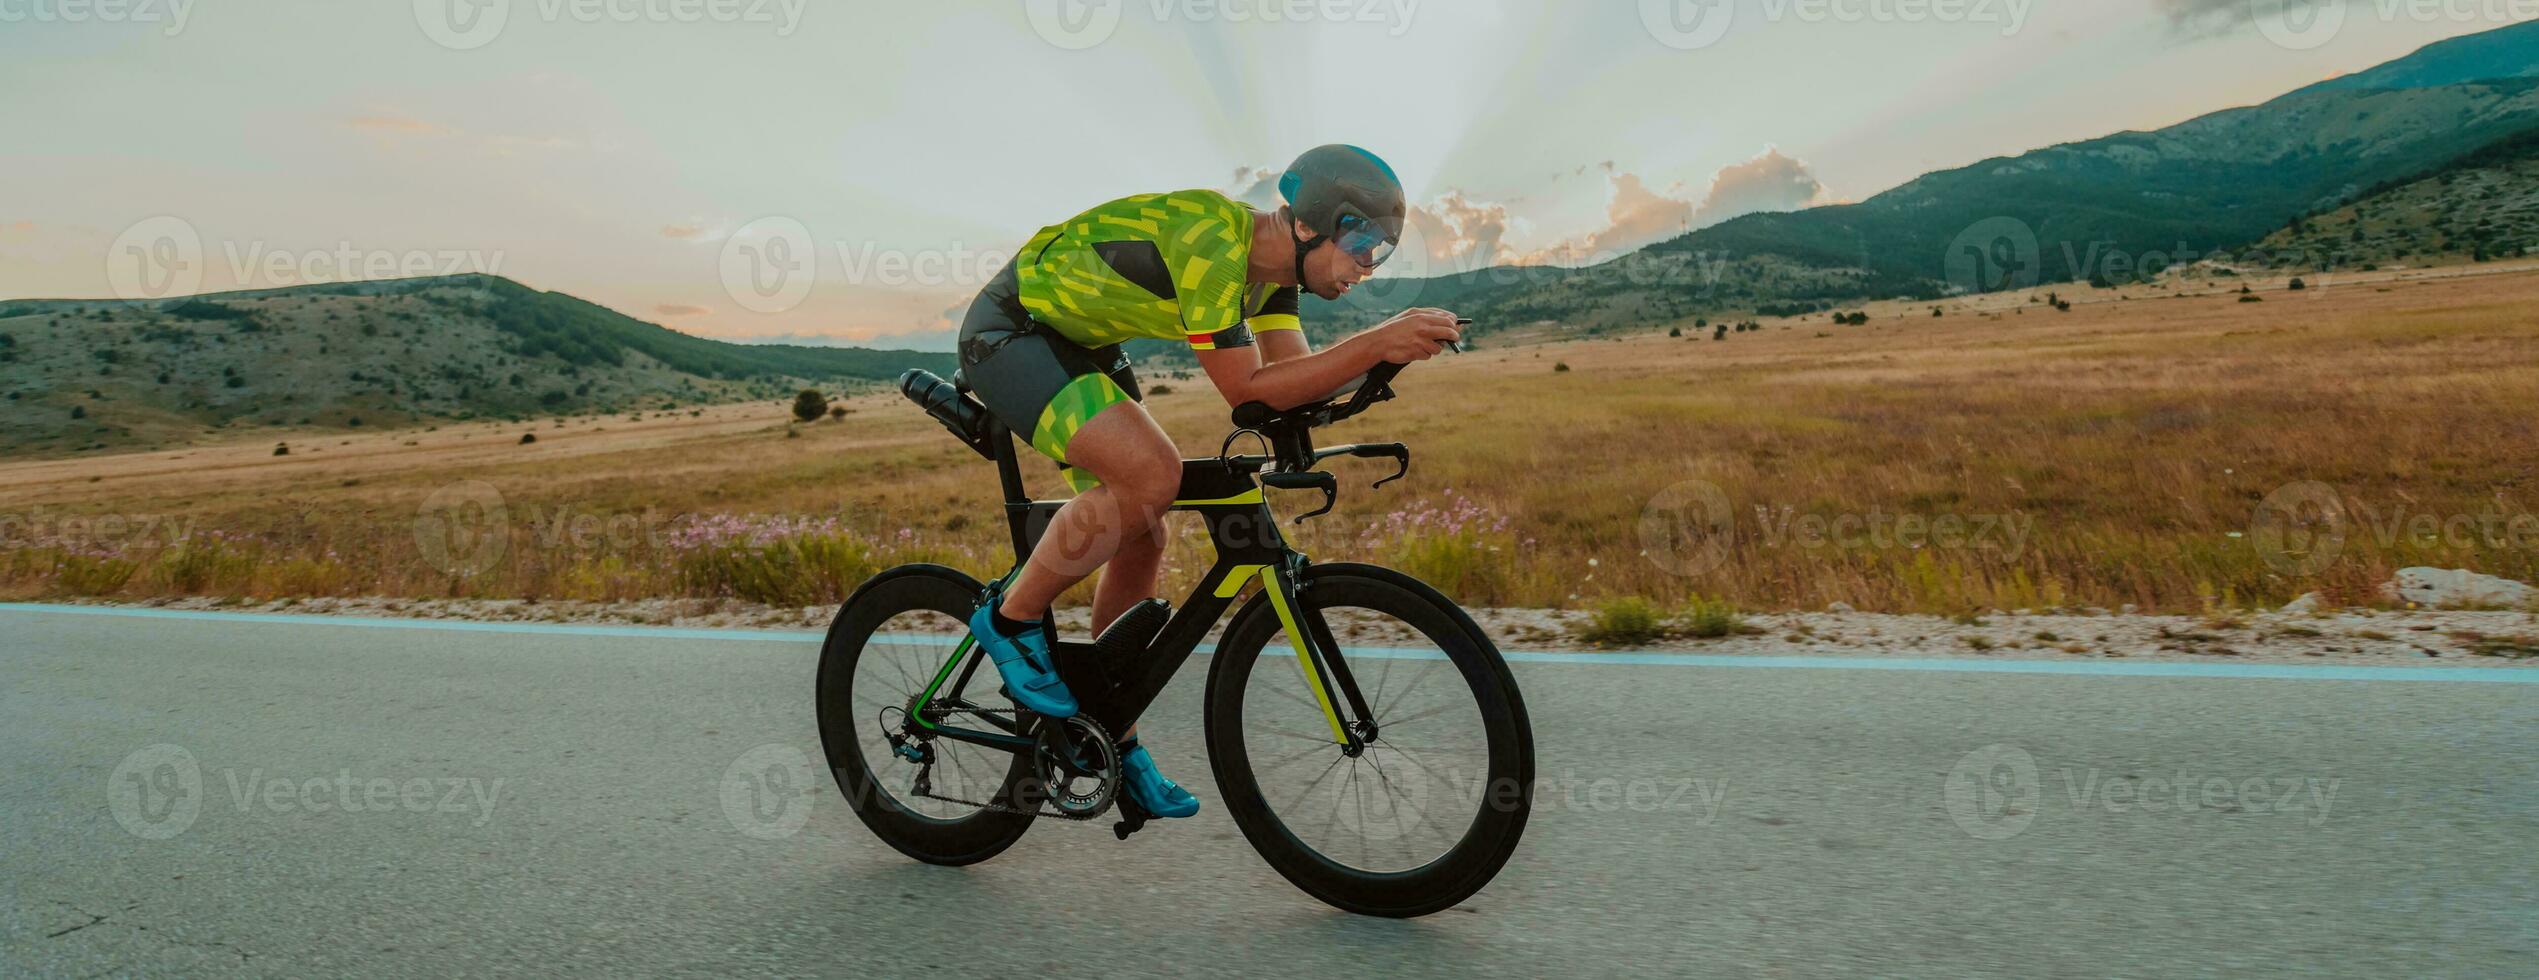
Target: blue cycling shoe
x=1159, y=796
x=1031, y=678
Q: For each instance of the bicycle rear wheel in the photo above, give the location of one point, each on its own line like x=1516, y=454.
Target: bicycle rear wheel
x=889, y=644
x=1430, y=811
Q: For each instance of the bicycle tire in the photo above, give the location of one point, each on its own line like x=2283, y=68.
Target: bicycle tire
x=1504, y=806
x=908, y=588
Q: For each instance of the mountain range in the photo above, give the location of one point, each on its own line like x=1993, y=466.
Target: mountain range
x=97, y=374
x=2432, y=156
x=2114, y=207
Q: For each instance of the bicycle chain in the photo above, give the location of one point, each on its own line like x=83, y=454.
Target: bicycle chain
x=926, y=773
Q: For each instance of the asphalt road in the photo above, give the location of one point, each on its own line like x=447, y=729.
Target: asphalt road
x=199, y=796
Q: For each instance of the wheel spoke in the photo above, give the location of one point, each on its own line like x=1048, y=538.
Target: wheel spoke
x=1428, y=713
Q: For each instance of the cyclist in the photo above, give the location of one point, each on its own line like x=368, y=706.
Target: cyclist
x=1040, y=347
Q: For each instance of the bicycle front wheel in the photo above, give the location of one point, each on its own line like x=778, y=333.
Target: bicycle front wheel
x=1429, y=811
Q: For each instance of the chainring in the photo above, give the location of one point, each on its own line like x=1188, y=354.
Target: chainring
x=1061, y=789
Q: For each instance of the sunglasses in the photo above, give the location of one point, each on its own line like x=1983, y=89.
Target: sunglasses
x=1363, y=239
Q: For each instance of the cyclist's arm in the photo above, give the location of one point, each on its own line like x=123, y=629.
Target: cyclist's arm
x=1282, y=345
x=1241, y=376
x=1279, y=329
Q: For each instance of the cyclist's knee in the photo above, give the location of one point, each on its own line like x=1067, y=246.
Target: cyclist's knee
x=1149, y=483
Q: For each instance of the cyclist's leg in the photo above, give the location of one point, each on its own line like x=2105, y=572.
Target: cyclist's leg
x=1128, y=579
x=1140, y=472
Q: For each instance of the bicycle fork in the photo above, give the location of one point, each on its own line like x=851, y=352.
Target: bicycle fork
x=1318, y=658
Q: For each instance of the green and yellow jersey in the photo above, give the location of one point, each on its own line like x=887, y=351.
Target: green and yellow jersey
x=1169, y=266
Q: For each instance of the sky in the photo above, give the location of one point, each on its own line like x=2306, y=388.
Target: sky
x=851, y=171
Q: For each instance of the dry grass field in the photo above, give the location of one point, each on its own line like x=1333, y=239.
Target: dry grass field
x=2133, y=450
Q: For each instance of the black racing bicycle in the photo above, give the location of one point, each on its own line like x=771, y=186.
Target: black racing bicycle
x=1364, y=733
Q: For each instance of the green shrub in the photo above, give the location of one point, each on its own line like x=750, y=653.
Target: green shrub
x=1624, y=621
x=801, y=570
x=93, y=575
x=1468, y=565
x=1708, y=619
x=202, y=565
x=810, y=404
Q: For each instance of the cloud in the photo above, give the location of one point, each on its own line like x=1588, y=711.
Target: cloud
x=1459, y=234
x=1637, y=215
x=682, y=232
x=681, y=309
x=1257, y=187
x=2213, y=18
x=1769, y=182
x=1634, y=216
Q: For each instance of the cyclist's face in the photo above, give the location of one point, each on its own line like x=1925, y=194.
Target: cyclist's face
x=1330, y=272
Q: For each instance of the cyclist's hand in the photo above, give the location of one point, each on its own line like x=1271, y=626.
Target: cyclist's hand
x=1416, y=335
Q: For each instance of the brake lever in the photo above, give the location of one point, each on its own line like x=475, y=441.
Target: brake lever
x=1324, y=482
x=1386, y=450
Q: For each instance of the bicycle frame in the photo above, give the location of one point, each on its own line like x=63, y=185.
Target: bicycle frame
x=1227, y=494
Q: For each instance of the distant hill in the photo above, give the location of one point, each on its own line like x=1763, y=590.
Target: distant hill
x=2505, y=52
x=2485, y=205
x=2219, y=182
x=92, y=374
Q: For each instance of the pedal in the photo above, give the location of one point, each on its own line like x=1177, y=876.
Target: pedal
x=1132, y=818
x=1135, y=630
